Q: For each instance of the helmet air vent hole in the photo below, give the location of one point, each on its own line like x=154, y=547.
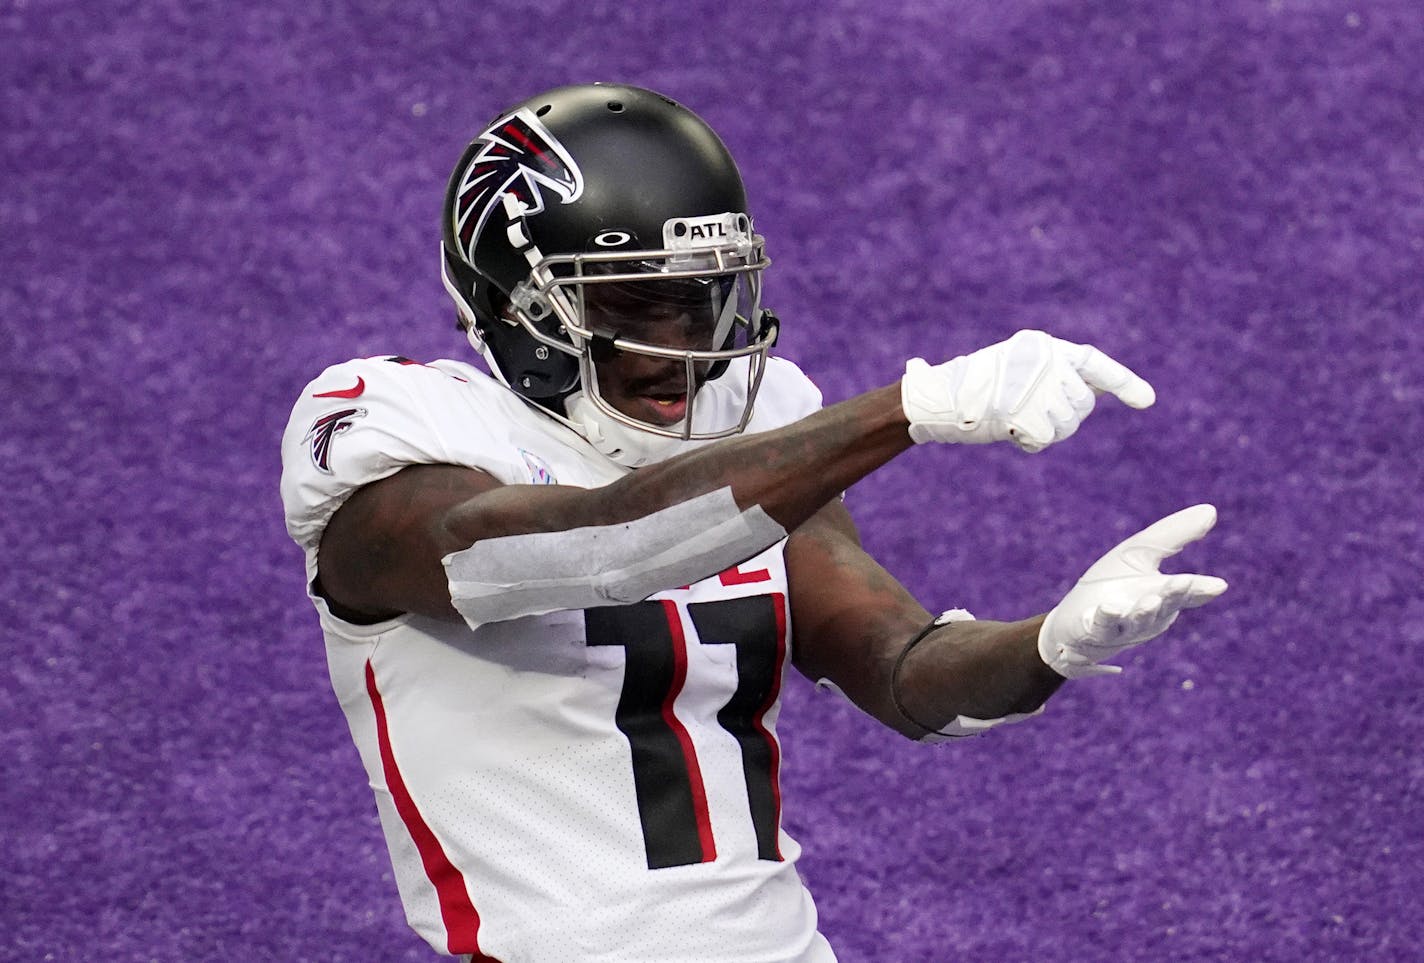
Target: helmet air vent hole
x=542, y=110
x=616, y=106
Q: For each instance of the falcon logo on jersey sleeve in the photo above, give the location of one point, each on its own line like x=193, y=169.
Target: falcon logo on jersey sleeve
x=519, y=157
x=327, y=427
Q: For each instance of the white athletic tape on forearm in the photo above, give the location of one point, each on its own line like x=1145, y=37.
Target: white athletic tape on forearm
x=519, y=575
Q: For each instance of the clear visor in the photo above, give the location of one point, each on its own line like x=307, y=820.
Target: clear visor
x=668, y=316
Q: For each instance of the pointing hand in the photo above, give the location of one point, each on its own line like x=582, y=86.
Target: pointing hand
x=1033, y=389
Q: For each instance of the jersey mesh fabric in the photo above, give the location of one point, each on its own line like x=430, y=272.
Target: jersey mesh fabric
x=551, y=761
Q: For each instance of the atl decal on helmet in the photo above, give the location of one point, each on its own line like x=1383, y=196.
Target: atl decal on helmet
x=324, y=429
x=518, y=155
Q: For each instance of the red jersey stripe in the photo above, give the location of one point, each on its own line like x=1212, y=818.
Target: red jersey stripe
x=759, y=720
x=689, y=753
x=462, y=922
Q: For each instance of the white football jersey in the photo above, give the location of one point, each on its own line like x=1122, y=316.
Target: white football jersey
x=582, y=785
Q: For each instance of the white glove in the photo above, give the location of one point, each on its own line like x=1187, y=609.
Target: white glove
x=1033, y=389
x=1123, y=600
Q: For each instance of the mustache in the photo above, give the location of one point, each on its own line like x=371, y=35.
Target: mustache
x=657, y=386
x=667, y=379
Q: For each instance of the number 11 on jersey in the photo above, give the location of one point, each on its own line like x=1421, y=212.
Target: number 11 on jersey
x=672, y=801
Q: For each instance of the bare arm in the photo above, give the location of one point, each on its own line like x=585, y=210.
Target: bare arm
x=853, y=619
x=381, y=552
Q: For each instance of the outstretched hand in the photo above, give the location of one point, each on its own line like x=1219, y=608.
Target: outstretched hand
x=1124, y=600
x=1033, y=389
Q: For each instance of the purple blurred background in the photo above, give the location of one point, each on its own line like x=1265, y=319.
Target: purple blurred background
x=204, y=204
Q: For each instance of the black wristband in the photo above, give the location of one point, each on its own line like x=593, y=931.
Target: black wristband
x=935, y=623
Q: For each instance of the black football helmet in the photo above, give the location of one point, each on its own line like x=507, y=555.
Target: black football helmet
x=582, y=208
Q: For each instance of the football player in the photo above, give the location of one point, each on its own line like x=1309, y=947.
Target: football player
x=560, y=599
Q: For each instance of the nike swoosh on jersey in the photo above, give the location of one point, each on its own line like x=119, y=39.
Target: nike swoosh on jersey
x=345, y=392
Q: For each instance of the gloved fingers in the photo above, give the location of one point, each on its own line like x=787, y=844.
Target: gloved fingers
x=1107, y=621
x=1051, y=415
x=1119, y=622
x=1032, y=431
x=1066, y=416
x=1190, y=591
x=1026, y=445
x=1146, y=608
x=1142, y=554
x=1081, y=668
x=1079, y=396
x=1150, y=619
x=1096, y=651
x=1105, y=375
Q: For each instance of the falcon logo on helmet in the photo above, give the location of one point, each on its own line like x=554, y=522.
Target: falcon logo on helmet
x=324, y=430
x=518, y=156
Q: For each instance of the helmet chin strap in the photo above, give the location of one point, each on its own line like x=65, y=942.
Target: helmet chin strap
x=472, y=334
x=633, y=448
x=620, y=443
